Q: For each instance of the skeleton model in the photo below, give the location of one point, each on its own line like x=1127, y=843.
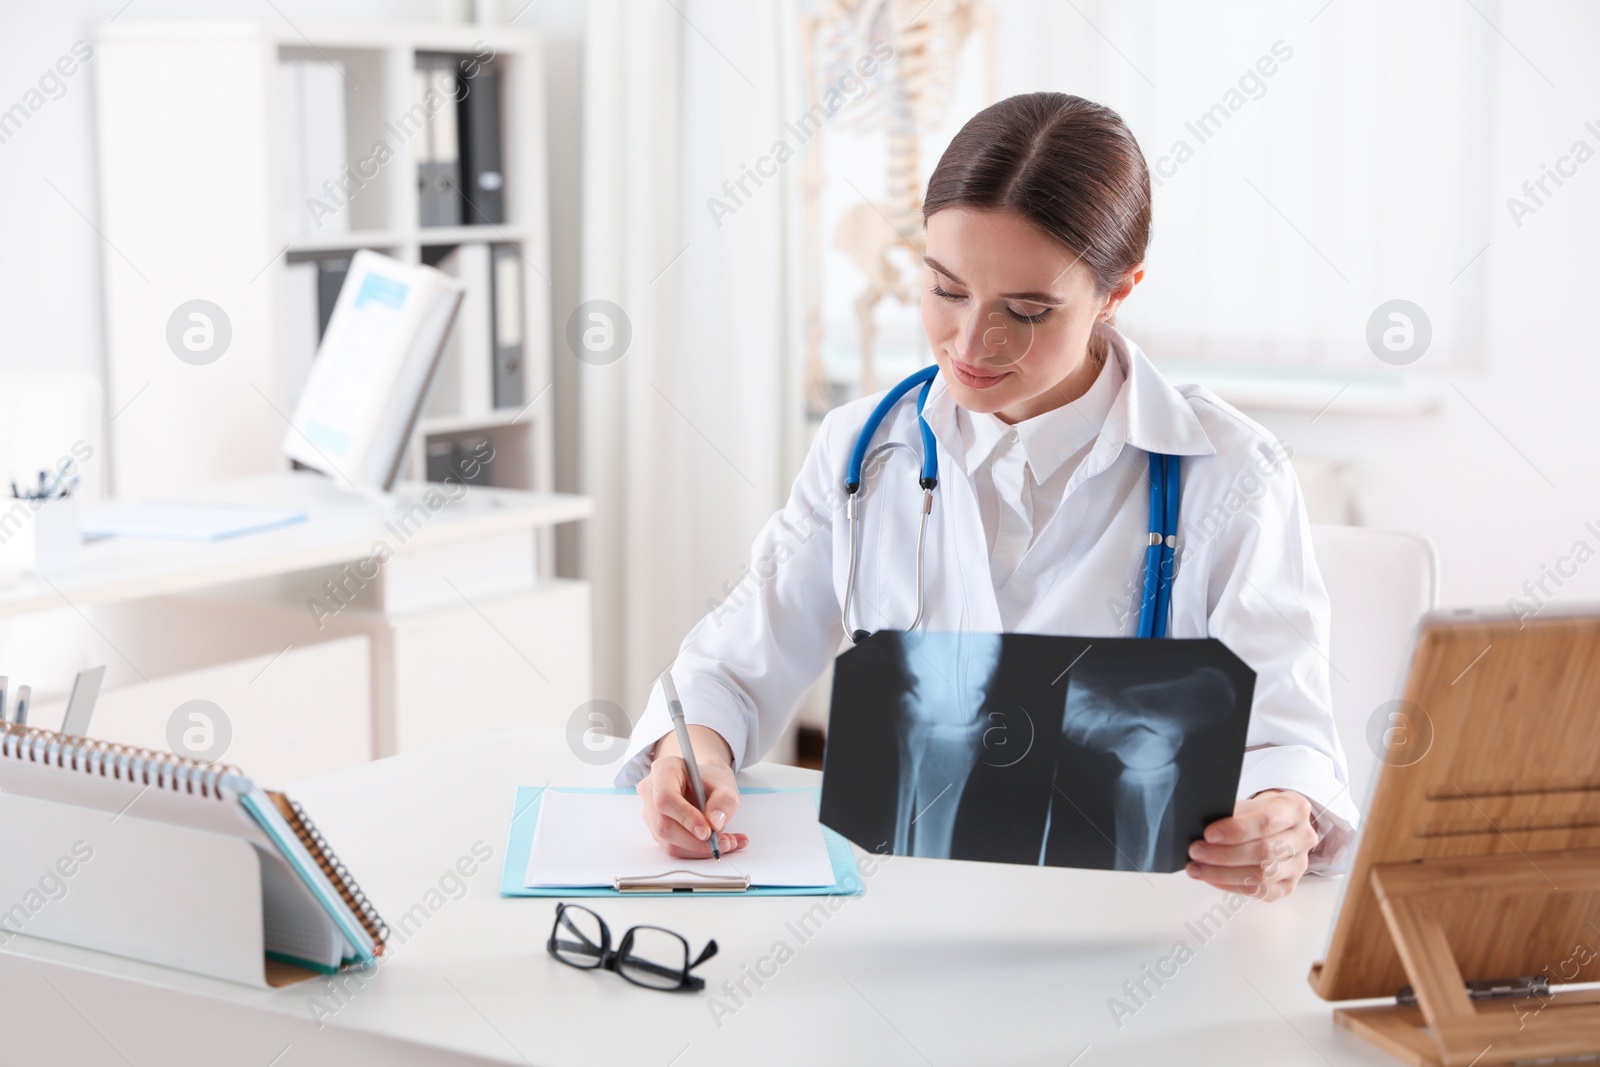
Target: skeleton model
x=913, y=89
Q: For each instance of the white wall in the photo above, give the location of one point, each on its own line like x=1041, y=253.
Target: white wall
x=1507, y=488
x=50, y=294
x=1479, y=484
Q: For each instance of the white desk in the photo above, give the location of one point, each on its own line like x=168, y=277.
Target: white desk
x=340, y=527
x=463, y=585
x=939, y=962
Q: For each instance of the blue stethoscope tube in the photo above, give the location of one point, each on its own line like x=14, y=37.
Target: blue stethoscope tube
x=1155, y=600
x=1156, y=596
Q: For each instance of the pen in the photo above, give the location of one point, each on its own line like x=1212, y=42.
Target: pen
x=50, y=490
x=5, y=684
x=20, y=716
x=675, y=709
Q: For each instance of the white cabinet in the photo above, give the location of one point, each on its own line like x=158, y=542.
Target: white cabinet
x=505, y=663
x=278, y=716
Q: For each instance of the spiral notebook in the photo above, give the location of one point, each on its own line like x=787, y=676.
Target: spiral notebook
x=164, y=859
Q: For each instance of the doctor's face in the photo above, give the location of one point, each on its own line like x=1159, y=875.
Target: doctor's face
x=1008, y=312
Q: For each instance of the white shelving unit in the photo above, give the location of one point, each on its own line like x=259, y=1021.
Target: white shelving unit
x=194, y=134
x=189, y=158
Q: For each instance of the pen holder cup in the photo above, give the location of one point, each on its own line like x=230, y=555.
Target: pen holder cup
x=42, y=536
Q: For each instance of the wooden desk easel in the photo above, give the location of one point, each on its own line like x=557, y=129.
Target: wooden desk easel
x=1477, y=879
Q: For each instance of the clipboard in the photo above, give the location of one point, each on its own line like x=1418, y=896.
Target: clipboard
x=519, y=843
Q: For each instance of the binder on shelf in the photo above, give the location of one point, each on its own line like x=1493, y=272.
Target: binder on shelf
x=466, y=385
x=470, y=466
x=438, y=146
x=508, y=327
x=299, y=328
x=291, y=184
x=441, y=460
x=171, y=861
x=311, y=145
x=372, y=371
x=322, y=123
x=331, y=271
x=458, y=459
x=482, y=179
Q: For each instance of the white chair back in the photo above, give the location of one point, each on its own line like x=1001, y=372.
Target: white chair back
x=1379, y=583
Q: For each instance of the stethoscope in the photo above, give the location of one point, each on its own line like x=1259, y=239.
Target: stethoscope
x=1156, y=594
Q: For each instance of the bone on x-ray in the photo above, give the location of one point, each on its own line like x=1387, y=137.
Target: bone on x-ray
x=941, y=731
x=1145, y=727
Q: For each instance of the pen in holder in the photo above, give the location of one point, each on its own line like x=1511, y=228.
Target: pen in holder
x=41, y=531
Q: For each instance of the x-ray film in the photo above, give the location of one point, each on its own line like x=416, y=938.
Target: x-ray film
x=1112, y=753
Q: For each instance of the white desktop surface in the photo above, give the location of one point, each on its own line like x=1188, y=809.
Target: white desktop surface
x=938, y=963
x=341, y=524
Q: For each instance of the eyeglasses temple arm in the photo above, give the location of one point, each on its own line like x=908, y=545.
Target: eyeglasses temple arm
x=705, y=954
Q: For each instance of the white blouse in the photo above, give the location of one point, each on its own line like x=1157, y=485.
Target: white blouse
x=1021, y=472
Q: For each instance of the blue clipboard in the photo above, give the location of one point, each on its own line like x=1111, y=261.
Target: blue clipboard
x=525, y=816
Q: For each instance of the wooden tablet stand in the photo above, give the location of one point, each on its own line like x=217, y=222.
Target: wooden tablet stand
x=1511, y=1021
x=1477, y=879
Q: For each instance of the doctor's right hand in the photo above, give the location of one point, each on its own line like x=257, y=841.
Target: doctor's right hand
x=668, y=796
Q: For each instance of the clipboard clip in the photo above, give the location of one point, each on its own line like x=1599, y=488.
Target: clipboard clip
x=673, y=880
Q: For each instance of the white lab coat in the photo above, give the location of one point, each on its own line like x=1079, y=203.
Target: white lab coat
x=1246, y=575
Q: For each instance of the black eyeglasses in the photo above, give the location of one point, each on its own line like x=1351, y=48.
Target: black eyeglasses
x=650, y=956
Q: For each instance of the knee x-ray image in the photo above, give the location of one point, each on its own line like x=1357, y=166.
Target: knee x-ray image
x=1019, y=748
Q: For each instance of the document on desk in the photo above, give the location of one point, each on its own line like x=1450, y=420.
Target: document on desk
x=590, y=839
x=167, y=521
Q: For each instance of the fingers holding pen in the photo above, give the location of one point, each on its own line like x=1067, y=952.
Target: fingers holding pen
x=674, y=820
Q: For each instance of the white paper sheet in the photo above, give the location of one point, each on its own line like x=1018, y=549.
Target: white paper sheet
x=589, y=839
x=182, y=522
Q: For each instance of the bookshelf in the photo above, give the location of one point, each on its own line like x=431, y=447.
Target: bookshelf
x=194, y=134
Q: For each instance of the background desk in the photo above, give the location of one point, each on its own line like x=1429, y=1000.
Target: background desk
x=939, y=962
x=463, y=630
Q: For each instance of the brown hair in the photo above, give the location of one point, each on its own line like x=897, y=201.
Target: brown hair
x=1068, y=165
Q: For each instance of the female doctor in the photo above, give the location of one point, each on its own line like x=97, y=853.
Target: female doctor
x=1044, y=419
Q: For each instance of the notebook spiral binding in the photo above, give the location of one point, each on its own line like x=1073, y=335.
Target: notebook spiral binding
x=334, y=868
x=108, y=759
x=179, y=774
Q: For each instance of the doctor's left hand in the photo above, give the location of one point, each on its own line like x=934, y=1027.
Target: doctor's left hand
x=668, y=796
x=1261, y=850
